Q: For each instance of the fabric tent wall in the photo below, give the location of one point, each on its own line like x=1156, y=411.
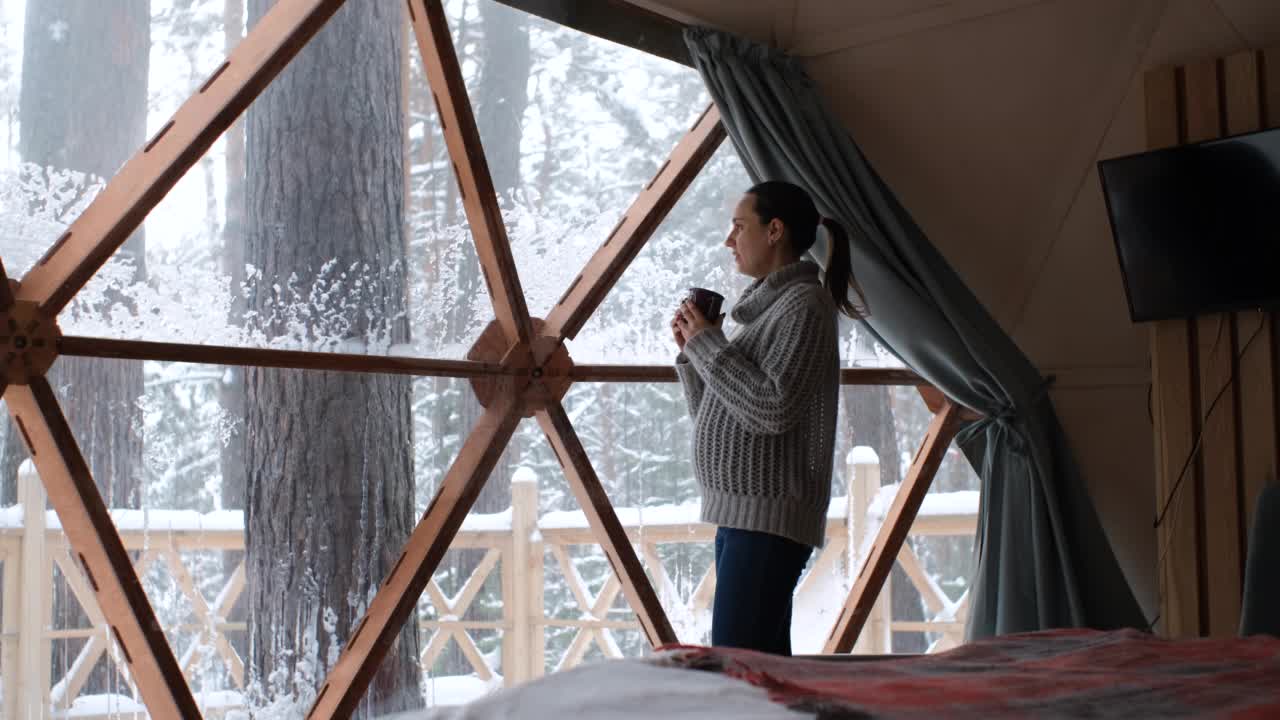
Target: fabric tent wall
x=1042, y=560
x=987, y=119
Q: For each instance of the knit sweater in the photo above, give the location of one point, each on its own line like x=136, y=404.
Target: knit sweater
x=764, y=407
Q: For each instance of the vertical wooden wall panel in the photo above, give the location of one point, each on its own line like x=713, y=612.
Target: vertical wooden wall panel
x=1172, y=407
x=1269, y=81
x=1218, y=486
x=1270, y=77
x=1242, y=74
x=1203, y=537
x=1269, y=72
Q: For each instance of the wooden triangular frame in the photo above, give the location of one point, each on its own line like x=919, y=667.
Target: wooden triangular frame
x=30, y=308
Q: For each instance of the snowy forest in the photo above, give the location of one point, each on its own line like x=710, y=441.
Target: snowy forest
x=329, y=219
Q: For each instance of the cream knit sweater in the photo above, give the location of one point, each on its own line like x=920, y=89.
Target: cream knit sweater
x=764, y=407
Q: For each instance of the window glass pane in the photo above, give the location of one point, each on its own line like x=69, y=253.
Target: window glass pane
x=173, y=445
x=633, y=324
x=879, y=432
x=315, y=468
x=50, y=159
x=637, y=438
x=304, y=239
x=859, y=348
x=177, y=505
x=573, y=128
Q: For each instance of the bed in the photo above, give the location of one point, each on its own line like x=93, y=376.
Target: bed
x=1053, y=673
x=1063, y=673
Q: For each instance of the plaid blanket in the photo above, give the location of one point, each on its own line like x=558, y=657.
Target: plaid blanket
x=1078, y=673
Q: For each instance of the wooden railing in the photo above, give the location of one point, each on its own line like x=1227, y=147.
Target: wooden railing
x=520, y=545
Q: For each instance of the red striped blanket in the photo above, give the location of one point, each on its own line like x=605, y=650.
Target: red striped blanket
x=1077, y=673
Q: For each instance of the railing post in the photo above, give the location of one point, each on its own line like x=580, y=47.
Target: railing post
x=525, y=594
x=536, y=589
x=34, y=649
x=864, y=484
x=11, y=555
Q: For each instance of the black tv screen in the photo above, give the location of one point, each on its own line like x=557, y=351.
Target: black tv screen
x=1197, y=227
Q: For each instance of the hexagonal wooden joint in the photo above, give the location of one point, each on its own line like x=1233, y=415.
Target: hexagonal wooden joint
x=538, y=371
x=28, y=341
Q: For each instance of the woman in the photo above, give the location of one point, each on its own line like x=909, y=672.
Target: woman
x=764, y=410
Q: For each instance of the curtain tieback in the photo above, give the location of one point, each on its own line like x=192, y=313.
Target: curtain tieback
x=1006, y=415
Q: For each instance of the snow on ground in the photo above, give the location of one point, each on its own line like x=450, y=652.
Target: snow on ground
x=218, y=520
x=123, y=706
x=954, y=503
x=964, y=502
x=145, y=520
x=457, y=689
x=477, y=522
x=653, y=515
x=623, y=690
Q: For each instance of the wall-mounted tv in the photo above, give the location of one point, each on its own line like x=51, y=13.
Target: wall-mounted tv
x=1197, y=227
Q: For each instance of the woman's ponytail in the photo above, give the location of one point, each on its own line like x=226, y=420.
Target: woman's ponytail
x=839, y=278
x=791, y=204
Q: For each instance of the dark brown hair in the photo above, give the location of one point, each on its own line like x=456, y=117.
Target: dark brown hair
x=793, y=207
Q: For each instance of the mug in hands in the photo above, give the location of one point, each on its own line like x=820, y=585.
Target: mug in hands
x=707, y=301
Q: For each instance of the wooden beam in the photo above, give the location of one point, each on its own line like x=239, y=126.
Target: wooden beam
x=479, y=199
x=667, y=373
x=624, y=373
x=147, y=177
x=92, y=535
x=294, y=359
x=935, y=401
x=881, y=376
x=397, y=597
x=605, y=525
x=897, y=523
x=637, y=225
x=616, y=21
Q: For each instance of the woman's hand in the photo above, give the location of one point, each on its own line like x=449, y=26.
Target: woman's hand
x=690, y=321
x=676, y=332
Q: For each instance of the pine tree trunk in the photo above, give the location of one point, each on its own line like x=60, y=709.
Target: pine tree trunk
x=870, y=417
x=329, y=455
x=231, y=392
x=83, y=107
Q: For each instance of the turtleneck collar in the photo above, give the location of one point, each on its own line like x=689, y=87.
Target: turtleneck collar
x=760, y=294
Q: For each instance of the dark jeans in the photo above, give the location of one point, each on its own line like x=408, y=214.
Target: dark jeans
x=756, y=575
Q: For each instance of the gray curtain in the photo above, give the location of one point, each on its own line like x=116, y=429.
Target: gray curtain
x=1043, y=560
